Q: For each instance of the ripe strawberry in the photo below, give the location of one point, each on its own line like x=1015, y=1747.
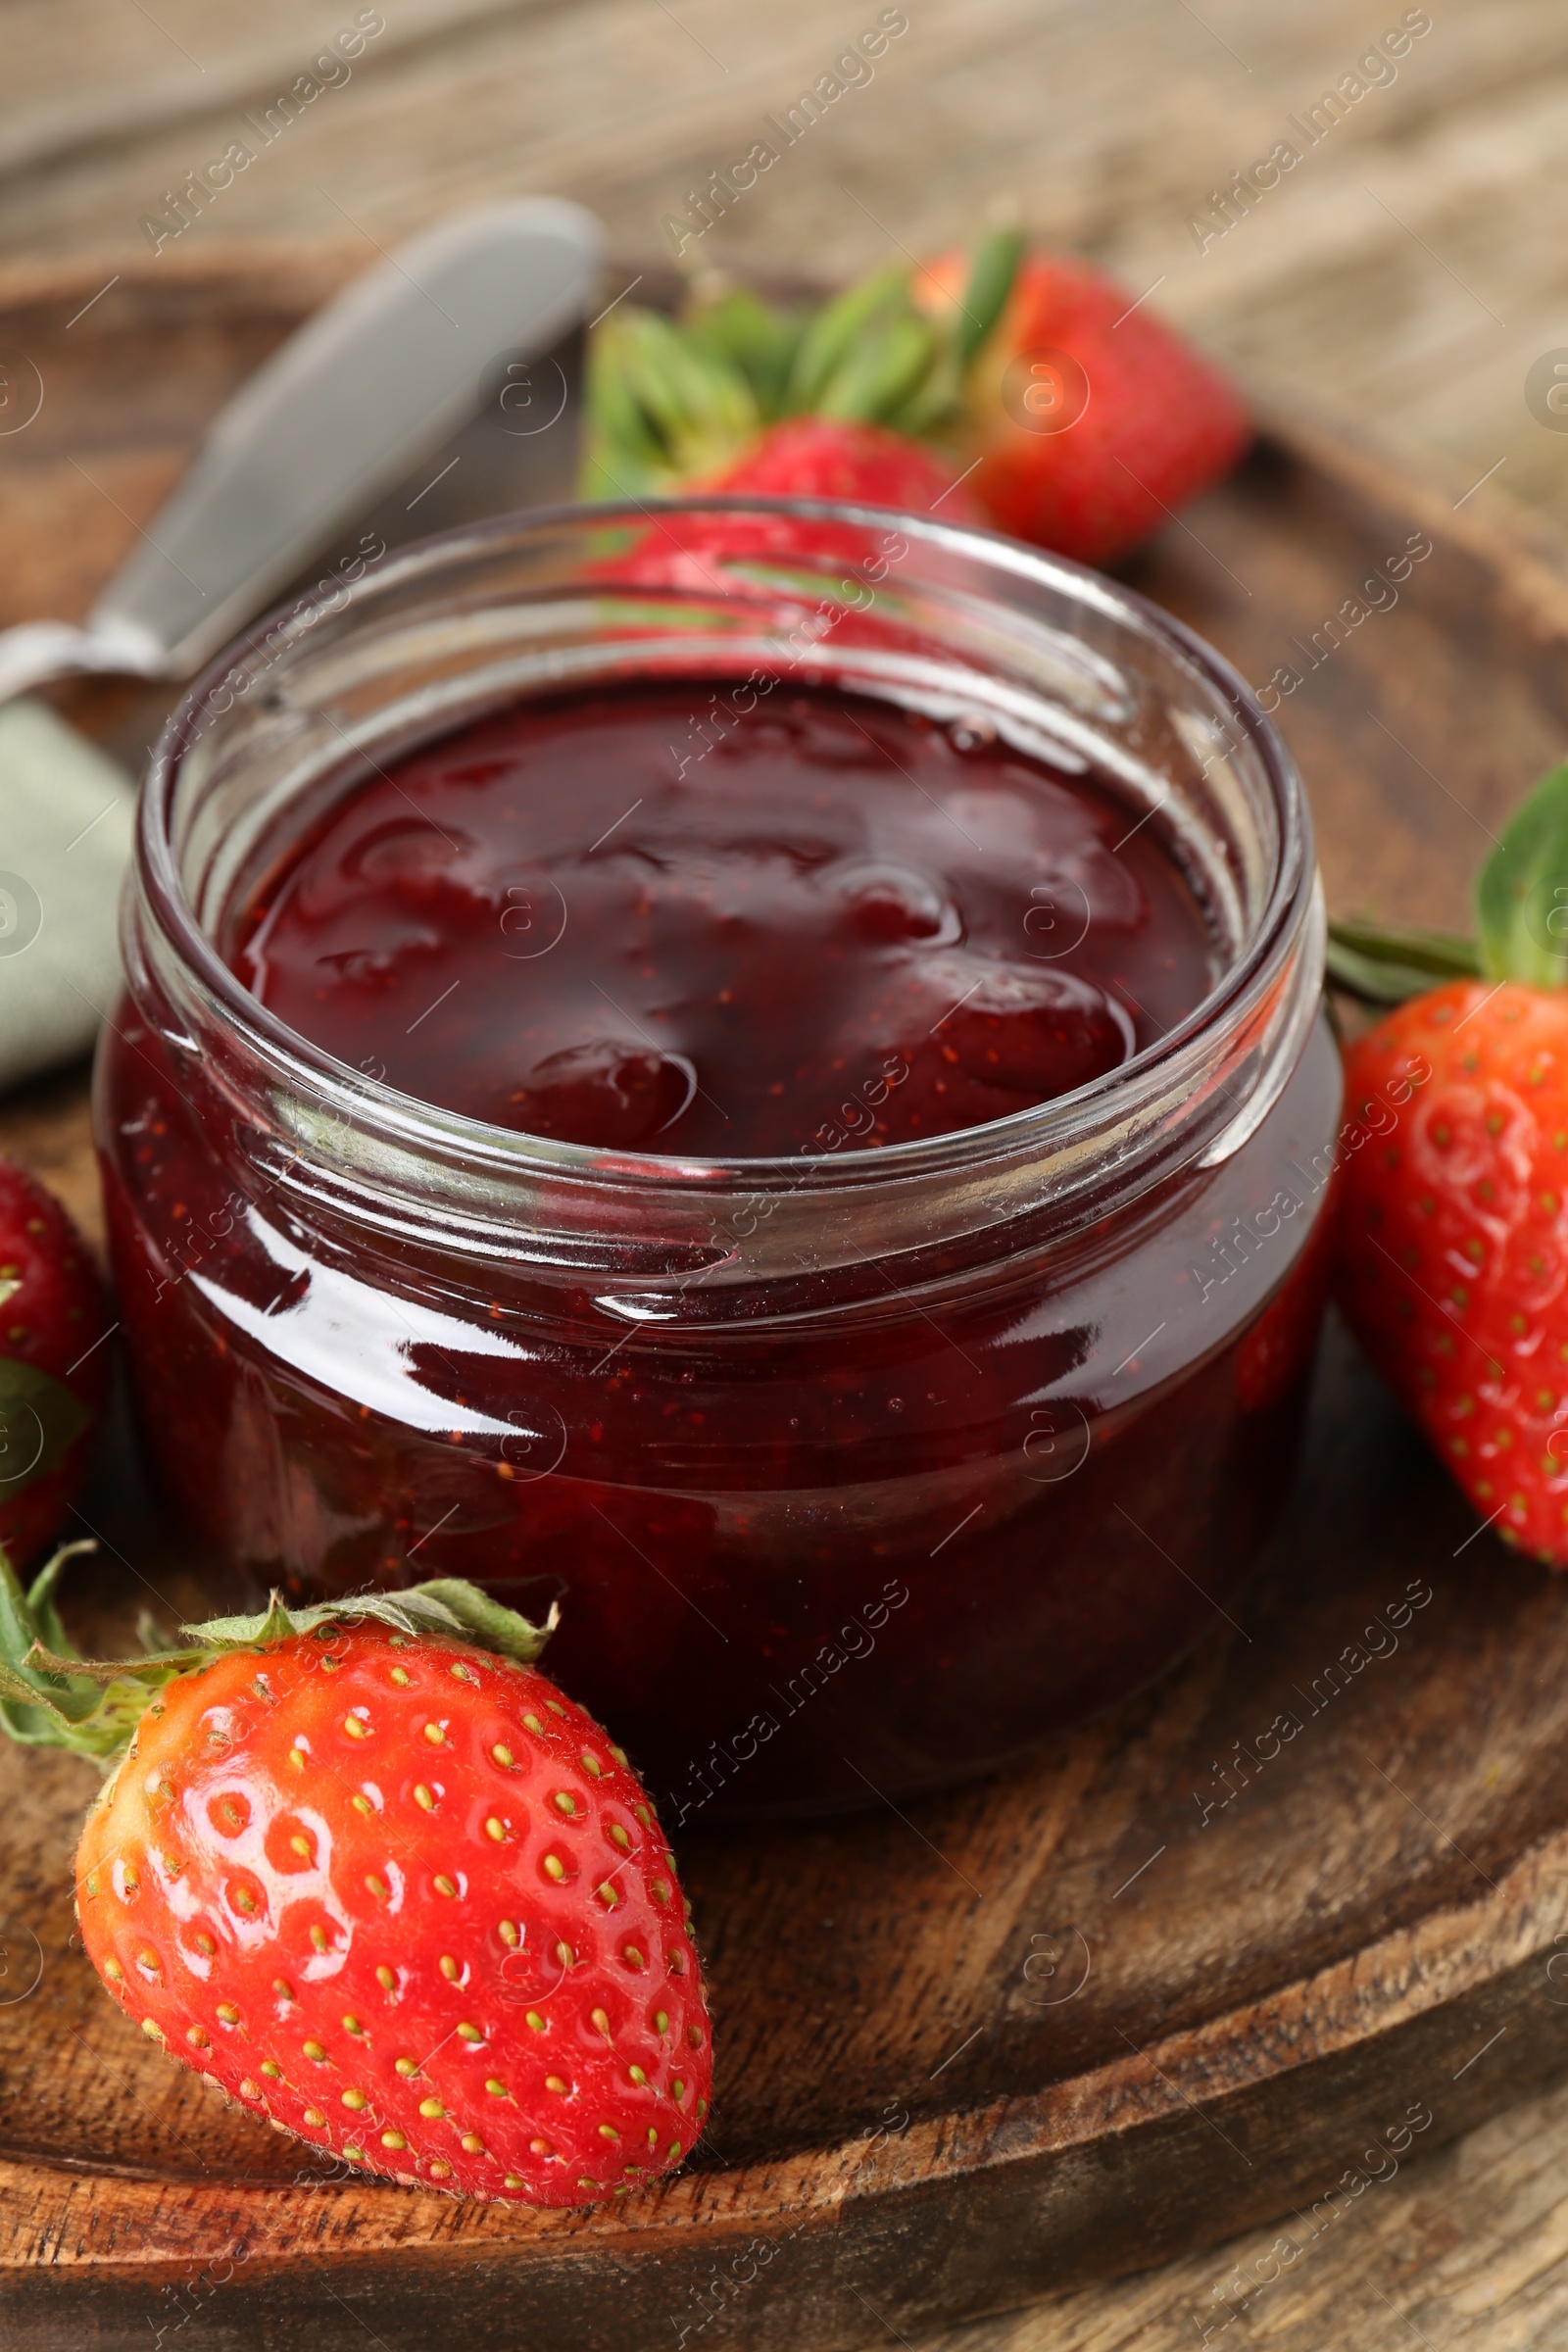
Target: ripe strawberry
x=1454, y=1260
x=739, y=396
x=52, y=1378
x=828, y=457
x=1090, y=418
x=804, y=457
x=1085, y=419
x=387, y=1888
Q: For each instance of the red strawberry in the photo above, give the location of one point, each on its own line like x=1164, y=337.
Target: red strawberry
x=738, y=397
x=52, y=1378
x=389, y=1890
x=1456, y=1240
x=1086, y=419
x=829, y=457
x=806, y=456
x=1455, y=1219
x=1092, y=420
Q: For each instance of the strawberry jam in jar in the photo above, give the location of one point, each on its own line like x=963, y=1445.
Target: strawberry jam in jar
x=756, y=1073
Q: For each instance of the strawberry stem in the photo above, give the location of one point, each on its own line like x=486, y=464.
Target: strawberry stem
x=1521, y=917
x=51, y=1697
x=1385, y=966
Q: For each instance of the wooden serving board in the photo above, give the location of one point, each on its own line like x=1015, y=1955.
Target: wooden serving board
x=1175, y=1976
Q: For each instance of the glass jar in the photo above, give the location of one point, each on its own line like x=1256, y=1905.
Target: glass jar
x=853, y=1473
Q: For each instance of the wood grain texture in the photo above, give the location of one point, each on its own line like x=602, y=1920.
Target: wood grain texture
x=1107, y=125
x=1410, y=268
x=1048, y=2028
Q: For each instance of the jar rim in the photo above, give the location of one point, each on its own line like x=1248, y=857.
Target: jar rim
x=411, y=1121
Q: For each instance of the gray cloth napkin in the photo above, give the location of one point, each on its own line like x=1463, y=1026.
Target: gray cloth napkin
x=67, y=814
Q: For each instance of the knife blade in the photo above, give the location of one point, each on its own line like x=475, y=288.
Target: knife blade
x=336, y=417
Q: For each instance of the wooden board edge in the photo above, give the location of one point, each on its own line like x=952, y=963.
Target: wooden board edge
x=1525, y=552
x=1027, y=2148
x=291, y=277
x=281, y=275
x=1449, y=1971
x=937, y=2255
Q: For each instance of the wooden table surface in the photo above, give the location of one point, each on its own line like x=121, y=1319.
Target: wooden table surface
x=1410, y=270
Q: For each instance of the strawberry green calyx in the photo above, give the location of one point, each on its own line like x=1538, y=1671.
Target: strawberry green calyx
x=446, y=1606
x=1385, y=967
x=1521, y=917
x=1522, y=896
x=51, y=1697
x=673, y=401
x=992, y=276
x=660, y=409
x=62, y=1707
x=29, y=1393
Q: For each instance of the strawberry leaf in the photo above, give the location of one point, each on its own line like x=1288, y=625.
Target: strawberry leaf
x=41, y=1610
x=48, y=1697
x=623, y=454
x=447, y=1607
x=52, y=1697
x=750, y=334
x=1522, y=896
x=485, y=1622
x=662, y=406
x=40, y=1420
x=672, y=402
x=881, y=371
x=839, y=330
x=1386, y=967
x=991, y=273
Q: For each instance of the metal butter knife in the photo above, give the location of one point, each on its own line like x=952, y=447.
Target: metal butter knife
x=334, y=420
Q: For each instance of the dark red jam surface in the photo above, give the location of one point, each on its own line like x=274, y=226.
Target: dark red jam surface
x=601, y=920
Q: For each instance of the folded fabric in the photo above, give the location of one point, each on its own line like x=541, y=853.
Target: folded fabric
x=67, y=812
